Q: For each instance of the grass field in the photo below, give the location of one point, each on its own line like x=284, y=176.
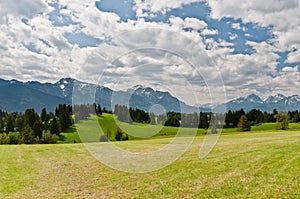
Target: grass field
x=242, y=165
x=107, y=121
x=135, y=131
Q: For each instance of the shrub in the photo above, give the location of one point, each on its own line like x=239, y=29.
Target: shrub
x=14, y=138
x=120, y=135
x=4, y=139
x=48, y=138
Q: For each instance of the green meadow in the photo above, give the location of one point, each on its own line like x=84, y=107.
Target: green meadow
x=263, y=163
x=144, y=131
x=251, y=165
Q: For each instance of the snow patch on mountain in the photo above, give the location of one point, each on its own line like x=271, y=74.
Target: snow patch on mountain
x=279, y=102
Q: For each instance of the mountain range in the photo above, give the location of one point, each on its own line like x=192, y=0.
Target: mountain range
x=279, y=102
x=18, y=96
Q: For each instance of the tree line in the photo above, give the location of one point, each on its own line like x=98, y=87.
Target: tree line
x=32, y=128
x=83, y=111
x=233, y=119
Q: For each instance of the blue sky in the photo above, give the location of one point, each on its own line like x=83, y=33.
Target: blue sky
x=227, y=46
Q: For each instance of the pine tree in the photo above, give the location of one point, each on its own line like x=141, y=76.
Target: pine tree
x=37, y=129
x=54, y=126
x=99, y=110
x=243, y=124
x=1, y=125
x=19, y=122
x=119, y=134
x=10, y=124
x=44, y=115
x=30, y=117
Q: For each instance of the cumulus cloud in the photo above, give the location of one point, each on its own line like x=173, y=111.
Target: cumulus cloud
x=25, y=8
x=160, y=54
x=283, y=16
x=187, y=23
x=154, y=6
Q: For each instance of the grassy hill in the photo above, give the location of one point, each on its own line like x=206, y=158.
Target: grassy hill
x=107, y=121
x=251, y=165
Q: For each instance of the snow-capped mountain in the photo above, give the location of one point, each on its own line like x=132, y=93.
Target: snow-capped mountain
x=150, y=97
x=18, y=96
x=279, y=102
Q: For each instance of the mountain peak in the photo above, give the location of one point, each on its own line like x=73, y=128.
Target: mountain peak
x=280, y=95
x=140, y=89
x=254, y=97
x=65, y=81
x=137, y=87
x=276, y=98
x=278, y=101
x=14, y=81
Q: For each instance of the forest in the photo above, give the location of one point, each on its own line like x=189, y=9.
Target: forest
x=203, y=119
x=31, y=127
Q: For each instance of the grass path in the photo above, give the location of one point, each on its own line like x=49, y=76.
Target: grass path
x=251, y=165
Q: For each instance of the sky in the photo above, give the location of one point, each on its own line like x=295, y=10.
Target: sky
x=202, y=51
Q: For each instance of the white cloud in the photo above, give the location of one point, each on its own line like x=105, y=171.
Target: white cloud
x=233, y=36
x=282, y=15
x=27, y=8
x=155, y=6
x=188, y=22
x=59, y=58
x=195, y=24
x=289, y=69
x=293, y=56
x=236, y=26
x=209, y=32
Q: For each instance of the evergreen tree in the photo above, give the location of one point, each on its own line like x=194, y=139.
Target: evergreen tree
x=30, y=117
x=119, y=134
x=56, y=112
x=54, y=126
x=10, y=127
x=19, y=122
x=1, y=125
x=37, y=129
x=44, y=115
x=173, y=119
x=203, y=123
x=255, y=116
x=295, y=116
x=99, y=110
x=244, y=124
x=104, y=110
